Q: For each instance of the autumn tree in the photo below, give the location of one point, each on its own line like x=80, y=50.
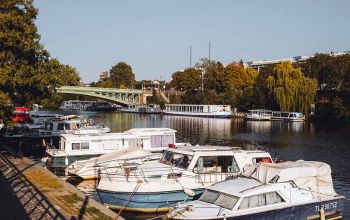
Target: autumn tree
x=189, y=79
x=27, y=72
x=122, y=76
x=291, y=89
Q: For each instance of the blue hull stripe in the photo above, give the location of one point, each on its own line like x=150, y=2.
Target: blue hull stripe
x=146, y=201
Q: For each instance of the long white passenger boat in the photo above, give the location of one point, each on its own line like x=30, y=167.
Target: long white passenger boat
x=77, y=146
x=210, y=111
x=182, y=174
x=267, y=115
x=291, y=190
x=258, y=115
x=287, y=116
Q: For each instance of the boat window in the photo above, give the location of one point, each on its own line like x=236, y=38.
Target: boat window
x=167, y=157
x=176, y=159
x=80, y=146
x=285, y=114
x=213, y=164
x=84, y=145
x=66, y=126
x=262, y=160
x=226, y=201
x=60, y=126
x=209, y=196
x=75, y=146
x=161, y=140
x=184, y=161
x=260, y=200
x=219, y=199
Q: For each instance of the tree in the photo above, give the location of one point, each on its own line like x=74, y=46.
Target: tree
x=291, y=89
x=122, y=76
x=27, y=73
x=189, y=79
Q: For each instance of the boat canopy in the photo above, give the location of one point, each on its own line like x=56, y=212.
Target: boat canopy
x=308, y=175
x=122, y=154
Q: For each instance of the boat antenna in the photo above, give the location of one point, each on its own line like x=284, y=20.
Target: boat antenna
x=190, y=55
x=209, y=51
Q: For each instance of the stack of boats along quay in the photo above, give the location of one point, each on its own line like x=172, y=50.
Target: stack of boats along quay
x=181, y=174
x=77, y=146
x=290, y=190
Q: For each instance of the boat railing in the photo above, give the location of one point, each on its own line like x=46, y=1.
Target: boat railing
x=211, y=177
x=156, y=174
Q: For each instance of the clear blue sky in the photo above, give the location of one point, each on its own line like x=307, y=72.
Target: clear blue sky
x=154, y=36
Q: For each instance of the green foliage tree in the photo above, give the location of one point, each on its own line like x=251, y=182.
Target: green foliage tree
x=27, y=73
x=291, y=89
x=189, y=79
x=122, y=76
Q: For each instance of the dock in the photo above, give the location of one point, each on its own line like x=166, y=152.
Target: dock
x=29, y=191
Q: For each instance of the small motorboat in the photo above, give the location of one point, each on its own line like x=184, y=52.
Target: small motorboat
x=290, y=190
x=181, y=174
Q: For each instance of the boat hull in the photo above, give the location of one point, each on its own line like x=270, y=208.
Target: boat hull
x=333, y=209
x=145, y=202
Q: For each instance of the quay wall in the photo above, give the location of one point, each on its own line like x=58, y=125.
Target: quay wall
x=29, y=191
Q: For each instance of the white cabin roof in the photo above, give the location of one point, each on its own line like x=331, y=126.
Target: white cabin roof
x=235, y=186
x=149, y=131
x=97, y=136
x=213, y=150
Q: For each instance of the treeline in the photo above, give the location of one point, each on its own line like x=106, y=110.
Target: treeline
x=322, y=80
x=28, y=74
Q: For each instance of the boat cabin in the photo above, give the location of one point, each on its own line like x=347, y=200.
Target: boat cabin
x=212, y=162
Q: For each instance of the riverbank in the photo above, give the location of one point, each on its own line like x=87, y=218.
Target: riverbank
x=29, y=191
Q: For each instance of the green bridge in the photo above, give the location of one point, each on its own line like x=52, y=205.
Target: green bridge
x=120, y=96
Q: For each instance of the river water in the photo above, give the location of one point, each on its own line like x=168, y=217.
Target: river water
x=289, y=141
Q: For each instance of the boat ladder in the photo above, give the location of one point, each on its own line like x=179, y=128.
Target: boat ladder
x=139, y=182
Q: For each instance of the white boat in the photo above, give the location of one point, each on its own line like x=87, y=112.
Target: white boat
x=70, y=124
x=142, y=109
x=182, y=173
x=82, y=146
x=291, y=190
x=210, y=111
x=75, y=105
x=111, y=162
x=288, y=116
x=258, y=115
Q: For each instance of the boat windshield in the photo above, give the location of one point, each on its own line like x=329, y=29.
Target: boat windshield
x=220, y=199
x=176, y=159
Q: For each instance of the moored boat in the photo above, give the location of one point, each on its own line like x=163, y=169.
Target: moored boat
x=83, y=146
x=111, y=162
x=258, y=115
x=288, y=116
x=290, y=190
x=181, y=174
x=142, y=109
x=209, y=111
